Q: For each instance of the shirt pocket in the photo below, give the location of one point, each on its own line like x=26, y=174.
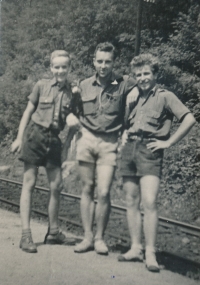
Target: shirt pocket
x=89, y=105
x=113, y=104
x=153, y=117
x=45, y=103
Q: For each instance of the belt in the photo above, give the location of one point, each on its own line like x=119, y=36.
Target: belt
x=138, y=138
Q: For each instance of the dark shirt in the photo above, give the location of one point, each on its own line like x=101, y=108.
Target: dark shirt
x=45, y=96
x=103, y=108
x=153, y=116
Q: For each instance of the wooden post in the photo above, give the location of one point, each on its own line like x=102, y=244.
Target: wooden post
x=138, y=27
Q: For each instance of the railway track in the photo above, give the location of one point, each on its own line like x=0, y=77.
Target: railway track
x=165, y=222
x=117, y=231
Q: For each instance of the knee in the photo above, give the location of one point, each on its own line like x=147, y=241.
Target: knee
x=56, y=187
x=149, y=206
x=132, y=200
x=88, y=186
x=104, y=196
x=29, y=182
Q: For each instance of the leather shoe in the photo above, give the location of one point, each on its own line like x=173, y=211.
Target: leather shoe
x=100, y=247
x=59, y=238
x=151, y=263
x=84, y=246
x=27, y=245
x=134, y=254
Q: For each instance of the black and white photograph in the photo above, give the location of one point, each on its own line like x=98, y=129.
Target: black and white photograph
x=99, y=142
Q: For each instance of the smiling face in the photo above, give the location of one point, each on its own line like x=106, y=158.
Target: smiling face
x=103, y=63
x=60, y=67
x=145, y=78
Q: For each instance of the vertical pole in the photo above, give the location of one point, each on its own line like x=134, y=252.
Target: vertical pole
x=138, y=27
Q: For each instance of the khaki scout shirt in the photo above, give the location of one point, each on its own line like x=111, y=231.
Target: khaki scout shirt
x=45, y=96
x=153, y=116
x=103, y=108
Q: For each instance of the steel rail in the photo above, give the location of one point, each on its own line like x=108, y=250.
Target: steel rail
x=124, y=239
x=163, y=221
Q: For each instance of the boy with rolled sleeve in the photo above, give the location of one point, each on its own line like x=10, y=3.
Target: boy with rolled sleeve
x=148, y=124
x=50, y=103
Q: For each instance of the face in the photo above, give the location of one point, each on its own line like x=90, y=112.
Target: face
x=145, y=78
x=103, y=62
x=60, y=67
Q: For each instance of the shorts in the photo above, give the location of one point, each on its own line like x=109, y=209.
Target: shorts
x=137, y=160
x=97, y=148
x=41, y=146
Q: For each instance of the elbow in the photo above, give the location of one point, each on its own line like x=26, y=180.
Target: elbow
x=190, y=119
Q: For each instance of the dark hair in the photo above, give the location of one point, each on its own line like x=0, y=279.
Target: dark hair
x=57, y=53
x=108, y=47
x=145, y=59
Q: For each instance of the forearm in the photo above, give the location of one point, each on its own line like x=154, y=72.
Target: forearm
x=25, y=119
x=183, y=129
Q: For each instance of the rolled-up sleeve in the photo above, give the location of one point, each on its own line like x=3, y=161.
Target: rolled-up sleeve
x=35, y=94
x=175, y=106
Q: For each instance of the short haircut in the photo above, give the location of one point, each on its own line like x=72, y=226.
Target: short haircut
x=145, y=59
x=58, y=53
x=107, y=47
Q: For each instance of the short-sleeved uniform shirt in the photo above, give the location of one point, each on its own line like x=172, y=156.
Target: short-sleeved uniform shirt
x=41, y=143
x=103, y=108
x=150, y=117
x=46, y=96
x=103, y=113
x=153, y=116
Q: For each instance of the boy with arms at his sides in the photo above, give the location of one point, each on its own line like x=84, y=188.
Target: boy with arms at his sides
x=148, y=124
x=50, y=103
x=104, y=97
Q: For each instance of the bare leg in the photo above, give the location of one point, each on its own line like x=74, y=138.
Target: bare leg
x=132, y=190
x=149, y=189
x=87, y=174
x=131, y=187
x=55, y=184
x=104, y=180
x=29, y=180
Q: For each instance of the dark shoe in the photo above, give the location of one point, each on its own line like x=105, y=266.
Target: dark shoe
x=59, y=238
x=134, y=254
x=27, y=245
x=84, y=246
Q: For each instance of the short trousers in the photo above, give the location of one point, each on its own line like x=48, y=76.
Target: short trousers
x=97, y=148
x=41, y=146
x=138, y=161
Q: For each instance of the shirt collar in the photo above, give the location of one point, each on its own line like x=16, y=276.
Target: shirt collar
x=114, y=79
x=53, y=82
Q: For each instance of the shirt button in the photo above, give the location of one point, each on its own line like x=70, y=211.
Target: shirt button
x=67, y=106
x=45, y=100
x=56, y=113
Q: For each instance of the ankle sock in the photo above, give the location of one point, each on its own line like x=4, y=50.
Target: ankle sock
x=54, y=231
x=26, y=232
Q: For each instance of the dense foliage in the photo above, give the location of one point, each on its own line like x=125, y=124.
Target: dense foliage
x=32, y=29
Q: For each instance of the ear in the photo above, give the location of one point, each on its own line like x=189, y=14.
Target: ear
x=156, y=75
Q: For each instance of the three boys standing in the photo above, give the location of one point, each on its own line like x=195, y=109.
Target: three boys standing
x=149, y=113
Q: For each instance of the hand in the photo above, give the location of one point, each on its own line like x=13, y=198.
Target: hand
x=157, y=144
x=132, y=96
x=72, y=121
x=76, y=89
x=16, y=146
x=124, y=138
